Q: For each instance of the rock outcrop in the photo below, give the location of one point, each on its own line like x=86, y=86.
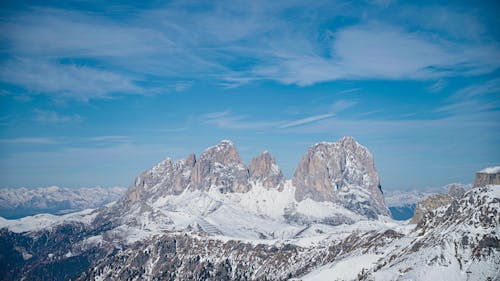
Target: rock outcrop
x=220, y=167
x=263, y=169
x=429, y=204
x=342, y=172
x=456, y=191
x=168, y=177
x=487, y=176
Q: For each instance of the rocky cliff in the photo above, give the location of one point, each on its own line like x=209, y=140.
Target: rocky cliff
x=220, y=167
x=342, y=172
x=435, y=201
x=487, y=176
x=263, y=169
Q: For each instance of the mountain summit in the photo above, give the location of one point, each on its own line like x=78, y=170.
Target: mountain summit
x=342, y=172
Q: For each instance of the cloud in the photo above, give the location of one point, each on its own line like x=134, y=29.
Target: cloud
x=111, y=139
x=225, y=120
x=437, y=86
x=307, y=120
x=383, y=52
x=488, y=87
x=82, y=55
x=65, y=81
x=43, y=116
x=34, y=140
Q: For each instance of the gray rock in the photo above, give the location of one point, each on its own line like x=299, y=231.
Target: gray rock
x=456, y=191
x=220, y=167
x=343, y=172
x=165, y=178
x=487, y=176
x=263, y=169
x=429, y=204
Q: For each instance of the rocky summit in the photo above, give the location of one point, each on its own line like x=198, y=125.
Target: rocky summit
x=342, y=172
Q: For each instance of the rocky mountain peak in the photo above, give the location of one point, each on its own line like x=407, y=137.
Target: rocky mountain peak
x=224, y=152
x=264, y=169
x=339, y=170
x=220, y=167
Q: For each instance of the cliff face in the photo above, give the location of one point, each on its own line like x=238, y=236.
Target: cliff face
x=487, y=176
x=429, y=204
x=433, y=202
x=263, y=168
x=342, y=172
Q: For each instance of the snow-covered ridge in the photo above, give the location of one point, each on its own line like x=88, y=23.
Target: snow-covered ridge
x=490, y=170
x=18, y=202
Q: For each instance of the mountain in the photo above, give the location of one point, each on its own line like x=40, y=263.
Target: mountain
x=213, y=217
x=20, y=202
x=458, y=241
x=342, y=172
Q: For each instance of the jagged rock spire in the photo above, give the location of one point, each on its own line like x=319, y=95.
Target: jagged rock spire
x=263, y=169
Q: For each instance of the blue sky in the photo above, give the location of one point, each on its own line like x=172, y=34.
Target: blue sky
x=94, y=92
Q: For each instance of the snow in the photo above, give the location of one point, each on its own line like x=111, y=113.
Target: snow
x=43, y=221
x=491, y=170
x=345, y=269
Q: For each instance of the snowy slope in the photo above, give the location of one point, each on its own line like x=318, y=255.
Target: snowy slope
x=460, y=241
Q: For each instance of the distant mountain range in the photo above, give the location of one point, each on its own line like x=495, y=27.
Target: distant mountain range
x=213, y=217
x=21, y=202
x=402, y=203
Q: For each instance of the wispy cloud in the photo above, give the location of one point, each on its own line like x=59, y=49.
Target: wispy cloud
x=307, y=120
x=79, y=55
x=111, y=139
x=65, y=80
x=489, y=87
x=437, y=86
x=44, y=116
x=226, y=120
x=33, y=140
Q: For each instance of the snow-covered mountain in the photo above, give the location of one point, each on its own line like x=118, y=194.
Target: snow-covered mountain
x=219, y=194
x=20, y=202
x=213, y=217
x=458, y=241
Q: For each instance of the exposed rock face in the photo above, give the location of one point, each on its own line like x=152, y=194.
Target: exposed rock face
x=456, y=191
x=487, y=176
x=429, y=204
x=263, y=168
x=221, y=167
x=343, y=172
x=165, y=178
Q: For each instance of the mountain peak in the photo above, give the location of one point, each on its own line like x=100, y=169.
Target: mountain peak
x=221, y=167
x=264, y=169
x=334, y=171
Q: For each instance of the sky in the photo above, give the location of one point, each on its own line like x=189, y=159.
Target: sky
x=95, y=92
